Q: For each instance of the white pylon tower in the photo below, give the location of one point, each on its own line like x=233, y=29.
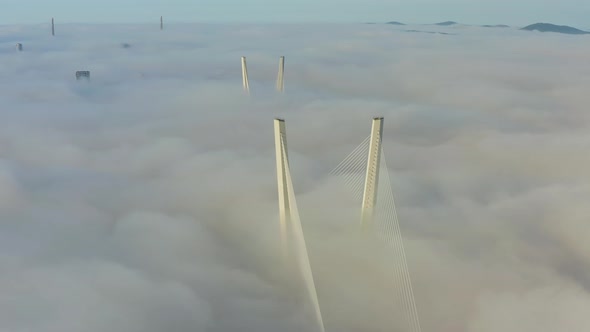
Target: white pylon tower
x=282, y=161
x=379, y=215
x=245, y=82
x=280, y=82
x=372, y=175
x=292, y=239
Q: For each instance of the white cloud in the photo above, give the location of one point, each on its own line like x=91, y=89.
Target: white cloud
x=145, y=199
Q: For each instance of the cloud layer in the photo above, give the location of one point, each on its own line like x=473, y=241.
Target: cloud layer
x=145, y=199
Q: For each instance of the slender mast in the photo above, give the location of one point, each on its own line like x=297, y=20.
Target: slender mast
x=372, y=175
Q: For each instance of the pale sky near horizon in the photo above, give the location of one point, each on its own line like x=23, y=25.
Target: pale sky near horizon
x=513, y=12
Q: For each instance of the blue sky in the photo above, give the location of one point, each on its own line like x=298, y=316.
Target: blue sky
x=514, y=12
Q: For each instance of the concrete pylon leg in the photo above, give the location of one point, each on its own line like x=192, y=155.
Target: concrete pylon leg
x=282, y=161
x=280, y=82
x=245, y=82
x=372, y=175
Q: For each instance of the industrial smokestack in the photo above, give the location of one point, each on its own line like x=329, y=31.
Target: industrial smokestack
x=161, y=23
x=52, y=27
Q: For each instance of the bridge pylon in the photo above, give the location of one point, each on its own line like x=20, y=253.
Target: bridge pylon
x=280, y=81
x=372, y=175
x=245, y=81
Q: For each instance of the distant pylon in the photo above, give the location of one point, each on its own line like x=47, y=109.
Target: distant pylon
x=372, y=175
x=245, y=82
x=161, y=23
x=83, y=74
x=280, y=82
x=52, y=27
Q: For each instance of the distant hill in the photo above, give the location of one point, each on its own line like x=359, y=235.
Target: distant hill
x=547, y=27
x=430, y=32
x=446, y=23
x=496, y=26
x=395, y=23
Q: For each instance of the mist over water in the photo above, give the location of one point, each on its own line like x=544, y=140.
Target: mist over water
x=145, y=199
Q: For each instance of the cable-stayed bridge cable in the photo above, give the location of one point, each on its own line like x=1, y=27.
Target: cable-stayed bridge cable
x=415, y=321
x=352, y=171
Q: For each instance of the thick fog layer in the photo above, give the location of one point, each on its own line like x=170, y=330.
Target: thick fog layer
x=145, y=199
